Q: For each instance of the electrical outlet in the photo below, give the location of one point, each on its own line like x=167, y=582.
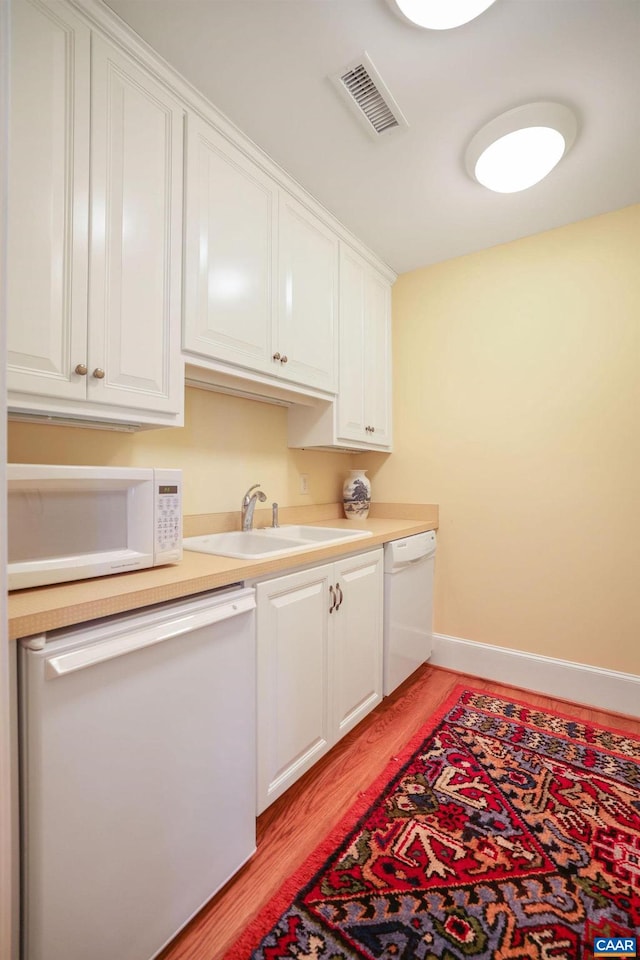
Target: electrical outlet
x=304, y=483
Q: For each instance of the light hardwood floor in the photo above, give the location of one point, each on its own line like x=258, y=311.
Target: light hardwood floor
x=291, y=828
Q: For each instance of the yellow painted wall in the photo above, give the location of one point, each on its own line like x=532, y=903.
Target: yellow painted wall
x=517, y=409
x=227, y=444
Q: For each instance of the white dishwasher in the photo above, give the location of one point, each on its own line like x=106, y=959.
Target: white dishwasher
x=408, y=606
x=138, y=774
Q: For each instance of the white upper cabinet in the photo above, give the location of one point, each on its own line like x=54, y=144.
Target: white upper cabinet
x=306, y=342
x=99, y=327
x=48, y=204
x=360, y=417
x=231, y=252
x=364, y=404
x=136, y=236
x=93, y=321
x=261, y=270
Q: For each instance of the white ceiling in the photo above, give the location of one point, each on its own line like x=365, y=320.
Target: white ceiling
x=266, y=63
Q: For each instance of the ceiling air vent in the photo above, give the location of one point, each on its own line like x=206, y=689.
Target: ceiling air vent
x=367, y=94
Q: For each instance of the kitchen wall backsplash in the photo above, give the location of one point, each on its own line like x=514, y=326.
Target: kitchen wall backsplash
x=226, y=444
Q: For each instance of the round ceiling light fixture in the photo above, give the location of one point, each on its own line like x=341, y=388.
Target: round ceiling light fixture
x=440, y=14
x=520, y=147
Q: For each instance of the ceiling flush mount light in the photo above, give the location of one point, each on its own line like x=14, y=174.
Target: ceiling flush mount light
x=440, y=14
x=520, y=147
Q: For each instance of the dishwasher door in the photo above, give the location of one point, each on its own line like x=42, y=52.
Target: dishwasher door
x=138, y=775
x=408, y=606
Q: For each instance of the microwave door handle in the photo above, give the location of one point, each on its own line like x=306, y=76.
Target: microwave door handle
x=119, y=646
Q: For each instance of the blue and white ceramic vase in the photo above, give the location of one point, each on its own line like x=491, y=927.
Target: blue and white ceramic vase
x=356, y=495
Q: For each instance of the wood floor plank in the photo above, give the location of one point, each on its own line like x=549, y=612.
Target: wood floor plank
x=290, y=829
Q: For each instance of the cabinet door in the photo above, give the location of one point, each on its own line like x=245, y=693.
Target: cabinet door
x=377, y=364
x=356, y=682
x=48, y=200
x=364, y=399
x=293, y=676
x=231, y=211
x=307, y=329
x=136, y=237
x=350, y=402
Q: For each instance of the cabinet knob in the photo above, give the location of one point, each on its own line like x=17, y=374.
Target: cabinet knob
x=80, y=369
x=333, y=599
x=284, y=359
x=277, y=356
x=339, y=590
x=98, y=373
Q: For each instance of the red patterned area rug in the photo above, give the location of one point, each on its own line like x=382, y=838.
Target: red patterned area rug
x=502, y=832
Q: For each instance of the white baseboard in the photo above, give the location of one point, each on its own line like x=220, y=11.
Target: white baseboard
x=595, y=686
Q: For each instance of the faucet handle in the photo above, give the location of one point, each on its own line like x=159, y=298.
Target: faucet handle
x=247, y=495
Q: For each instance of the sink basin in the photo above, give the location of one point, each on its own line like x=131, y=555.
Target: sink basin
x=272, y=542
x=243, y=545
x=316, y=534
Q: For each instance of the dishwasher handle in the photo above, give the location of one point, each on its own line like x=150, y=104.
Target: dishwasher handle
x=119, y=646
x=401, y=565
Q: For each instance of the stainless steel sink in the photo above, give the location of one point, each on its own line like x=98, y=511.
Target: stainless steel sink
x=271, y=542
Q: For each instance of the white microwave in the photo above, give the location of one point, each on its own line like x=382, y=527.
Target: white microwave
x=70, y=522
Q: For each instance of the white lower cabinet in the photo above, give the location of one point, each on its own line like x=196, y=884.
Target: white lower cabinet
x=319, y=637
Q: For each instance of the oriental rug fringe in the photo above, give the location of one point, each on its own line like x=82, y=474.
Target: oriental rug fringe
x=502, y=832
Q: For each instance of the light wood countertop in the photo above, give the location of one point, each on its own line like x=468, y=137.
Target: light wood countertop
x=39, y=609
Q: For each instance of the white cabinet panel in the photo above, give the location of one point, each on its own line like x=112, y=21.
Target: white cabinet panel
x=377, y=364
x=293, y=675
x=360, y=416
x=350, y=405
x=364, y=400
x=136, y=236
x=357, y=633
x=306, y=337
x=93, y=312
x=319, y=635
x=261, y=272
x=48, y=200
x=231, y=241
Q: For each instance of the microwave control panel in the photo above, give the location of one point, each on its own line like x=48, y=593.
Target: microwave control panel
x=168, y=527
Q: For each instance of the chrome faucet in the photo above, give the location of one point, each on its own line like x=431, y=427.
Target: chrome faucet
x=249, y=505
